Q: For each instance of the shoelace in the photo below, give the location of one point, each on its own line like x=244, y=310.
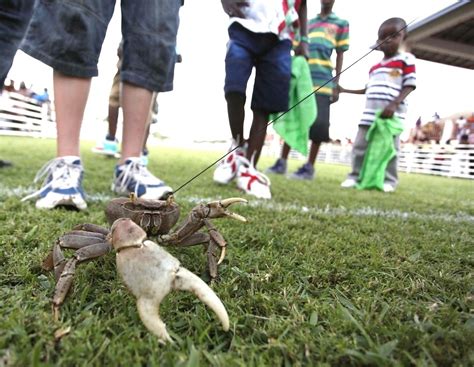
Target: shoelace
x=60, y=171
x=134, y=171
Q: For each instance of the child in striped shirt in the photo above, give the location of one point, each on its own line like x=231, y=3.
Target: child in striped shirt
x=390, y=82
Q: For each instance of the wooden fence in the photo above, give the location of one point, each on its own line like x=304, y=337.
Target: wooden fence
x=24, y=116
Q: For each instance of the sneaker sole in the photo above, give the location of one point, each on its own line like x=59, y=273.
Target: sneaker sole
x=106, y=153
x=72, y=201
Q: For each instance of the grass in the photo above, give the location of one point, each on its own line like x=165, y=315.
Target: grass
x=319, y=276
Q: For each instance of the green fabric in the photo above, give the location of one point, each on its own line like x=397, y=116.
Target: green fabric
x=380, y=150
x=293, y=126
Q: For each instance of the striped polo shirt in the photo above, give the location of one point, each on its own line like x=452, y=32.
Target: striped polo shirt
x=386, y=80
x=325, y=35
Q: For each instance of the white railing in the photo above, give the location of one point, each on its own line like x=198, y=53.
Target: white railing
x=434, y=159
x=24, y=116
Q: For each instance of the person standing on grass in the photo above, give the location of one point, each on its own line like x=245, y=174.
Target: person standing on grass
x=260, y=34
x=14, y=18
x=68, y=36
x=327, y=33
x=390, y=82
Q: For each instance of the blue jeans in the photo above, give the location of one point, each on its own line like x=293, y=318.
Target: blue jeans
x=14, y=18
x=68, y=35
x=272, y=61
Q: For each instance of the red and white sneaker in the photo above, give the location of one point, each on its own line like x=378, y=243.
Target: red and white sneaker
x=227, y=168
x=253, y=182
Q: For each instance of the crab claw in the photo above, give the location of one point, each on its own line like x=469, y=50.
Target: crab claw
x=150, y=273
x=187, y=281
x=218, y=209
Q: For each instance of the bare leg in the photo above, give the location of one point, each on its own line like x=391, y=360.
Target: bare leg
x=285, y=151
x=257, y=135
x=136, y=103
x=113, y=121
x=147, y=133
x=150, y=118
x=313, y=152
x=236, y=113
x=70, y=101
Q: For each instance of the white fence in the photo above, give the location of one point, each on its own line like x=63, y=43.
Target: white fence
x=23, y=116
x=434, y=159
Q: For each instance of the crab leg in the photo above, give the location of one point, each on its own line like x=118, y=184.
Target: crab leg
x=196, y=219
x=72, y=240
x=69, y=268
x=88, y=227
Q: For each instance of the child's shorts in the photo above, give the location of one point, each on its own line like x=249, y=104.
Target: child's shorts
x=14, y=18
x=319, y=131
x=272, y=60
x=68, y=35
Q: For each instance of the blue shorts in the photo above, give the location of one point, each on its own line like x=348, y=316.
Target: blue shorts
x=14, y=18
x=271, y=58
x=68, y=35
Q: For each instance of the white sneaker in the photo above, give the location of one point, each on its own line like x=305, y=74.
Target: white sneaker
x=253, y=182
x=349, y=183
x=227, y=168
x=62, y=185
x=388, y=188
x=133, y=176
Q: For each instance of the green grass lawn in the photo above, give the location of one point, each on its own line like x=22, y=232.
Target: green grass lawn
x=318, y=276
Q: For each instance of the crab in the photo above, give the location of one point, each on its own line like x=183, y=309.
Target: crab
x=150, y=273
x=157, y=218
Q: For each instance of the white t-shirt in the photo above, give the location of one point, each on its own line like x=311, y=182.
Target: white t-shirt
x=263, y=16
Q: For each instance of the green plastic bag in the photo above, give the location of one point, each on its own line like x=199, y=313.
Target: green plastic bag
x=293, y=127
x=380, y=150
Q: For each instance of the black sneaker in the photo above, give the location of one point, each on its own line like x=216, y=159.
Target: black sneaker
x=278, y=168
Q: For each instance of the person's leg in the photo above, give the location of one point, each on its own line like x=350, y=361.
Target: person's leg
x=358, y=152
x=136, y=102
x=112, y=120
x=70, y=101
x=236, y=115
x=391, y=172
x=313, y=152
x=257, y=135
x=74, y=57
x=238, y=67
x=318, y=133
x=149, y=55
x=271, y=88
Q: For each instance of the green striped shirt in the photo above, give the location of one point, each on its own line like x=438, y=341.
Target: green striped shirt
x=324, y=36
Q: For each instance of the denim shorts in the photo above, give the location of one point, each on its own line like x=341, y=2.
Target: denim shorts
x=14, y=18
x=272, y=61
x=68, y=35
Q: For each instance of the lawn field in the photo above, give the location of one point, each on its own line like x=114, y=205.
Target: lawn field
x=318, y=276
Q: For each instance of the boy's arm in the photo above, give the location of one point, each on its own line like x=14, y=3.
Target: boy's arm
x=302, y=48
x=339, y=61
x=351, y=91
x=392, y=106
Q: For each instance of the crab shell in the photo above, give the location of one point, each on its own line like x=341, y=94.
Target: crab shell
x=154, y=216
